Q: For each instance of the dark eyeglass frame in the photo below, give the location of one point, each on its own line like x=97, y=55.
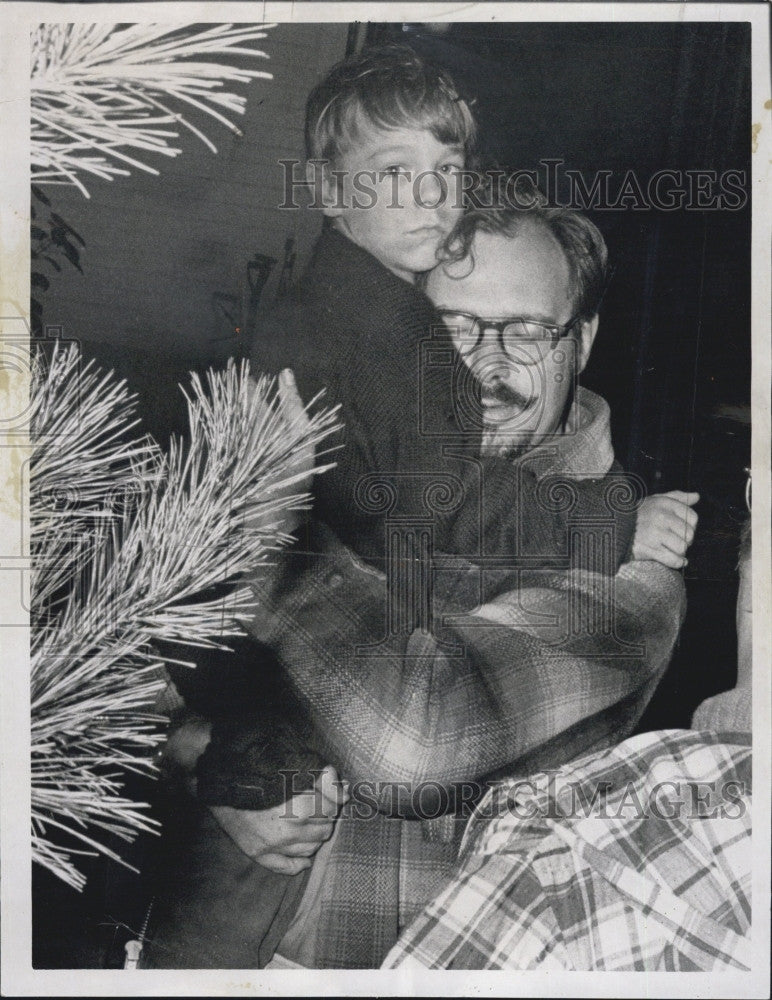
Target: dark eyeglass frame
x=553, y=332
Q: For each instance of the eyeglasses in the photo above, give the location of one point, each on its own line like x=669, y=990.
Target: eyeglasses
x=523, y=340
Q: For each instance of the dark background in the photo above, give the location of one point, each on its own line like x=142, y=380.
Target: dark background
x=672, y=356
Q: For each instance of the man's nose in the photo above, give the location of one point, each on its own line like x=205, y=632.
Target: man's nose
x=491, y=366
x=490, y=345
x=495, y=372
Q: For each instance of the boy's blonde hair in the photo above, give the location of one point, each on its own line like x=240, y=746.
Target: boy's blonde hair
x=390, y=86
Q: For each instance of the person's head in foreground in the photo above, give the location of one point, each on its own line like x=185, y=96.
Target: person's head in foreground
x=519, y=293
x=391, y=133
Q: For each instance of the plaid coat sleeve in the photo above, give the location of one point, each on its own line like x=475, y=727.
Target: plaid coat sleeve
x=557, y=664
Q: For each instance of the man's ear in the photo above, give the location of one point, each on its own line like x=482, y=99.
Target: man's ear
x=584, y=342
x=321, y=178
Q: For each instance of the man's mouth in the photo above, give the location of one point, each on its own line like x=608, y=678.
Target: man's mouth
x=501, y=397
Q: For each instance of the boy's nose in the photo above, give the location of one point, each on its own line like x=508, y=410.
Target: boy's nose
x=430, y=190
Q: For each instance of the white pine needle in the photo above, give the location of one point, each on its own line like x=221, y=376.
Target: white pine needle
x=98, y=89
x=126, y=542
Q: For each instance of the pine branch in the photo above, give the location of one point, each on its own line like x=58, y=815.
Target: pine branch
x=100, y=93
x=124, y=576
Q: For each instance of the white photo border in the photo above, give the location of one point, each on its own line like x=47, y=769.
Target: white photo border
x=19, y=979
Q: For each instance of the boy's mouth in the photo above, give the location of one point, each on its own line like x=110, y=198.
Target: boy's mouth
x=426, y=231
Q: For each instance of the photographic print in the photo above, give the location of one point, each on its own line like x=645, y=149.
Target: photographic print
x=385, y=505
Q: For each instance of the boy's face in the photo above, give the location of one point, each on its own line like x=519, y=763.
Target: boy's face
x=394, y=193
x=524, y=276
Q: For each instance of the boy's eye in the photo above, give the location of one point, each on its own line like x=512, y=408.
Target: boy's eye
x=393, y=169
x=451, y=168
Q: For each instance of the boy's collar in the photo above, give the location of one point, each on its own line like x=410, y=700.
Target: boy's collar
x=355, y=275
x=332, y=242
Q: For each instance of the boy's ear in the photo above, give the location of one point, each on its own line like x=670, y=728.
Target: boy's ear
x=584, y=342
x=325, y=186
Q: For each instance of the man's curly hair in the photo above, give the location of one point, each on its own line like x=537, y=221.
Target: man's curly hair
x=525, y=205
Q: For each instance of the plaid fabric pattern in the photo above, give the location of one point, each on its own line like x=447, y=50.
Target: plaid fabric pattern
x=379, y=876
x=729, y=710
x=553, y=650
x=539, y=683
x=640, y=878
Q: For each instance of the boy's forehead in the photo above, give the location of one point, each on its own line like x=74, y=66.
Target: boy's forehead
x=367, y=140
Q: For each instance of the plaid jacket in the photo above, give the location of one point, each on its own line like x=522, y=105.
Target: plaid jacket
x=554, y=664
x=637, y=858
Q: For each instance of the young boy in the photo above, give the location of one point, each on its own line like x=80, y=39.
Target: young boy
x=391, y=135
x=388, y=138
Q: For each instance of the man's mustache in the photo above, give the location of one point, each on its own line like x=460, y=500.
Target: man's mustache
x=504, y=395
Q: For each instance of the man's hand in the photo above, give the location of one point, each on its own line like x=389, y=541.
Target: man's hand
x=665, y=528
x=285, y=837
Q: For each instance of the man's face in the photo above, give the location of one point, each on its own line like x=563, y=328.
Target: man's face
x=396, y=196
x=523, y=276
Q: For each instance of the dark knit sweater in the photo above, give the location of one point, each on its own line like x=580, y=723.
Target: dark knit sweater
x=377, y=346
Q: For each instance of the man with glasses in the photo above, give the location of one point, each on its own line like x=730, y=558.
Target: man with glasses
x=506, y=666
x=519, y=330
x=520, y=292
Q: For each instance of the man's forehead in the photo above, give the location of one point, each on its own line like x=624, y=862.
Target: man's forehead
x=521, y=274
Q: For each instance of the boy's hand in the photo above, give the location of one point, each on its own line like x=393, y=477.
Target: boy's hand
x=665, y=528
x=294, y=415
x=285, y=837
